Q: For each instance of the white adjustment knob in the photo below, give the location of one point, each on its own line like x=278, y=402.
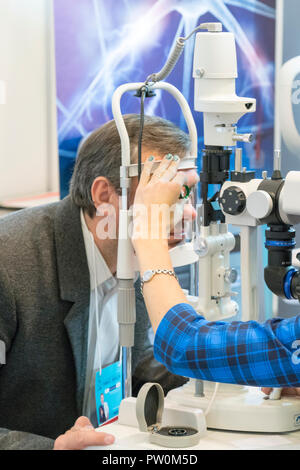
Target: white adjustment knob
x=259, y=204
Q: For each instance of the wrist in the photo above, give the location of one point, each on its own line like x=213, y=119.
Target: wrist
x=153, y=254
x=148, y=232
x=140, y=245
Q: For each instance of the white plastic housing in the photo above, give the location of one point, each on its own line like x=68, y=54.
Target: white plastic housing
x=215, y=53
x=241, y=408
x=288, y=95
x=260, y=204
x=245, y=218
x=214, y=301
x=290, y=194
x=125, y=264
x=215, y=72
x=172, y=415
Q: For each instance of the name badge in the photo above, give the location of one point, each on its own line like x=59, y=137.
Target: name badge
x=108, y=392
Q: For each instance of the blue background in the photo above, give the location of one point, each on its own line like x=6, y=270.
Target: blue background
x=102, y=44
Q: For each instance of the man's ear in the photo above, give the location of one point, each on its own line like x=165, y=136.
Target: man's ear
x=101, y=191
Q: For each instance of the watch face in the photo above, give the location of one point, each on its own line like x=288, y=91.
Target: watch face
x=147, y=276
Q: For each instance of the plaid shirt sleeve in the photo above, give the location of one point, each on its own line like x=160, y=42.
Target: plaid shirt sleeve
x=244, y=353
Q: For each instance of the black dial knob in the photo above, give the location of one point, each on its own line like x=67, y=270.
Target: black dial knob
x=233, y=201
x=295, y=286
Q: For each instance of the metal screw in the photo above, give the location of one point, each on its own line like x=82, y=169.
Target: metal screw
x=200, y=72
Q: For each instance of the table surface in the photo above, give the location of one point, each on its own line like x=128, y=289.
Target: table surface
x=129, y=438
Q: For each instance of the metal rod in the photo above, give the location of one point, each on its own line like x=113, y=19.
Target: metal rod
x=278, y=64
x=127, y=356
x=199, y=388
x=277, y=160
x=238, y=160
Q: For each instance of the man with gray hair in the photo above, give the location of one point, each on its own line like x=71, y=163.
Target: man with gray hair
x=57, y=277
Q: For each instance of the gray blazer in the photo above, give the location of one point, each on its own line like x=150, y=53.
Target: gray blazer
x=44, y=308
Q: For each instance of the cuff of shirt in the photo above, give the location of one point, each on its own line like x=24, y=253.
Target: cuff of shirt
x=171, y=328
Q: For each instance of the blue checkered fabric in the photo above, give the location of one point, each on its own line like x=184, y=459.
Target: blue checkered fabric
x=244, y=353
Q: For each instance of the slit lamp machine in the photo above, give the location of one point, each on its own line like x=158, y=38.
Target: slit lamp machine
x=244, y=201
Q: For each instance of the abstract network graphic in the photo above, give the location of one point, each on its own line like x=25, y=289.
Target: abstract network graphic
x=101, y=44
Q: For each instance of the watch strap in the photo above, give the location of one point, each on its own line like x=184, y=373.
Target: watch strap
x=154, y=272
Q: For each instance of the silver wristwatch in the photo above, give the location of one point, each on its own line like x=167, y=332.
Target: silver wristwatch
x=148, y=275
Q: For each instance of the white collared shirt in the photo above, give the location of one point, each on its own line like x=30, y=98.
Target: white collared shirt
x=108, y=330
x=105, y=332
